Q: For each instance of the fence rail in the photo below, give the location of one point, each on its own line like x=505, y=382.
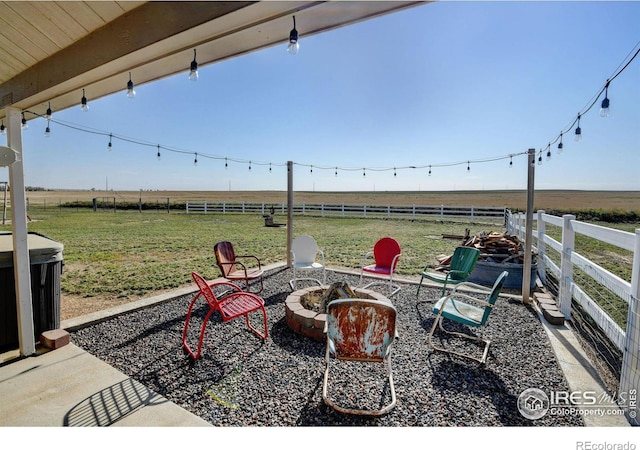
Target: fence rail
x=441, y=212
x=626, y=339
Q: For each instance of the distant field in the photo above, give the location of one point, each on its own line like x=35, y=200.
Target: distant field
x=548, y=200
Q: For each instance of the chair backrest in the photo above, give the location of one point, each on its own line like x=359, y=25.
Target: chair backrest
x=464, y=259
x=359, y=329
x=385, y=251
x=225, y=255
x=205, y=290
x=493, y=296
x=304, y=249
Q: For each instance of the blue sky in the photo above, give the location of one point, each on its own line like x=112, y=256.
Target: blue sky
x=440, y=85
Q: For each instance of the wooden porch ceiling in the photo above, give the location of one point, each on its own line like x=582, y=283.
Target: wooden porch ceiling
x=50, y=50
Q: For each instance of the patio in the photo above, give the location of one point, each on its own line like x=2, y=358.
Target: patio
x=241, y=381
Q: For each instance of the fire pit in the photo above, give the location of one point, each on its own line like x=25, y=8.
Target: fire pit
x=306, y=317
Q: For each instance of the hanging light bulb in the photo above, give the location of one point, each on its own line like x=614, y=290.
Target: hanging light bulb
x=394, y=171
x=604, y=106
x=269, y=167
x=226, y=165
x=193, y=69
x=578, y=136
x=195, y=161
x=83, y=103
x=49, y=113
x=158, y=155
x=109, y=146
x=336, y=172
x=429, y=170
x=293, y=46
x=2, y=128
x=364, y=174
x=249, y=165
x=549, y=152
x=540, y=158
x=560, y=144
x=311, y=169
x=25, y=125
x=510, y=161
x=468, y=167
x=130, y=92
x=47, y=131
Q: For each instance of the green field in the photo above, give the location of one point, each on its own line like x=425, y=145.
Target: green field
x=116, y=257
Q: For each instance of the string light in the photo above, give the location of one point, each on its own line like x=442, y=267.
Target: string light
x=560, y=143
x=468, y=167
x=49, y=113
x=336, y=172
x=578, y=134
x=195, y=161
x=540, y=158
x=25, y=125
x=83, y=103
x=294, y=45
x=226, y=164
x=249, y=166
x=2, y=128
x=604, y=106
x=429, y=170
x=394, y=171
x=364, y=174
x=109, y=146
x=158, y=152
x=311, y=170
x=511, y=162
x=47, y=131
x=269, y=167
x=549, y=152
x=130, y=92
x=193, y=69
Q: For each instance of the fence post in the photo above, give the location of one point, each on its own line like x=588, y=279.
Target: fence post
x=542, y=248
x=566, y=266
x=630, y=373
x=343, y=210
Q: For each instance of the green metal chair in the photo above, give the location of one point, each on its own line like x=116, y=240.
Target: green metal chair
x=454, y=308
x=463, y=261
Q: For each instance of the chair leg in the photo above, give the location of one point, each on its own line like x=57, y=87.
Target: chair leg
x=264, y=335
x=419, y=286
x=438, y=322
x=202, y=330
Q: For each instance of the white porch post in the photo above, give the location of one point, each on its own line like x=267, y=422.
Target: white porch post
x=21, y=262
x=289, y=211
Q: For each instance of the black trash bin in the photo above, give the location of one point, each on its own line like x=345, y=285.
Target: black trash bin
x=46, y=269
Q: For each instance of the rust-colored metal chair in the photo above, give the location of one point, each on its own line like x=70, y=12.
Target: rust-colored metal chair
x=238, y=303
x=233, y=269
x=364, y=331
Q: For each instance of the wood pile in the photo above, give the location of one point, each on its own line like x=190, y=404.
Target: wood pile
x=497, y=247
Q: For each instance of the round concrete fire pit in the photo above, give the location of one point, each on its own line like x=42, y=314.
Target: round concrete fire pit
x=310, y=323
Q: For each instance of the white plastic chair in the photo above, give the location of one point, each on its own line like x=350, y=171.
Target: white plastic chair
x=304, y=250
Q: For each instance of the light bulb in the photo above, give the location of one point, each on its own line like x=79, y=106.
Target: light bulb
x=2, y=128
x=25, y=125
x=109, y=145
x=130, y=92
x=578, y=136
x=604, y=108
x=560, y=144
x=83, y=103
x=47, y=131
x=293, y=46
x=193, y=69
x=49, y=113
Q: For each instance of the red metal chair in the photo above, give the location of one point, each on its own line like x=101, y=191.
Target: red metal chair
x=233, y=269
x=386, y=253
x=235, y=304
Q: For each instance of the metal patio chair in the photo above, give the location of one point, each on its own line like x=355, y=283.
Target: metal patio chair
x=304, y=251
x=237, y=303
x=458, y=307
x=233, y=269
x=364, y=331
x=386, y=253
x=462, y=262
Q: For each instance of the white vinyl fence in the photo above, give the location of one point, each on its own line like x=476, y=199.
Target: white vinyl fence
x=440, y=212
x=627, y=339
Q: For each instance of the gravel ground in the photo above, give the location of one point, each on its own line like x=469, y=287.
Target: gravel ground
x=241, y=381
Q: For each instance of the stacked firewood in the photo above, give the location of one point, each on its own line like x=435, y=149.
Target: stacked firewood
x=497, y=247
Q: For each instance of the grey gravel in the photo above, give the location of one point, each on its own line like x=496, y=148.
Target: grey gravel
x=242, y=381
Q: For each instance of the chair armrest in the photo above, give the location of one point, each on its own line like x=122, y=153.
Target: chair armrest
x=224, y=283
x=250, y=257
x=470, y=285
x=364, y=258
x=321, y=255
